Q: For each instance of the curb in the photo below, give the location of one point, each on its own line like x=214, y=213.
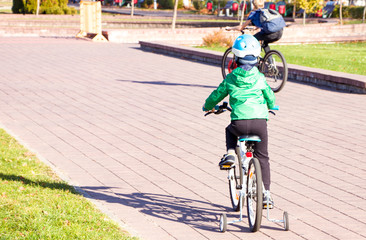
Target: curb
x=352, y=83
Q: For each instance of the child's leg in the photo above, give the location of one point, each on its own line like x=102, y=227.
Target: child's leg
x=229, y=158
x=231, y=138
x=261, y=151
x=255, y=127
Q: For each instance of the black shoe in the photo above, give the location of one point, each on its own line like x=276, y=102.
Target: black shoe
x=227, y=161
x=267, y=200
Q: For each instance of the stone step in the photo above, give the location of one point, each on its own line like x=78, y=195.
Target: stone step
x=38, y=31
x=115, y=23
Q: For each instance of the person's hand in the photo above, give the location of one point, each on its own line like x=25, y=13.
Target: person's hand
x=204, y=109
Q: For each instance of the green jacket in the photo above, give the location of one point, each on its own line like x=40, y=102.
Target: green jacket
x=250, y=95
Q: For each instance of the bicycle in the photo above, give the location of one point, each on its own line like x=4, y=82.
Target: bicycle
x=245, y=181
x=273, y=65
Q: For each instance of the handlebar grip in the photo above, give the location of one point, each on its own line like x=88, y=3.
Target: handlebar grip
x=275, y=108
x=217, y=107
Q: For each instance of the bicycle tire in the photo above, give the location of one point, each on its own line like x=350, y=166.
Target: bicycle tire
x=227, y=64
x=286, y=223
x=223, y=223
x=235, y=184
x=254, y=195
x=276, y=76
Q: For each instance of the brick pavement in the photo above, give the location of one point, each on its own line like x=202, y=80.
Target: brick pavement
x=125, y=126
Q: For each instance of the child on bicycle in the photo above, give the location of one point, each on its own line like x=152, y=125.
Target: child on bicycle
x=270, y=23
x=250, y=97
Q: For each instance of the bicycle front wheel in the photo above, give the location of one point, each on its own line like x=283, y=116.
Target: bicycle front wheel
x=254, y=195
x=235, y=185
x=227, y=63
x=274, y=68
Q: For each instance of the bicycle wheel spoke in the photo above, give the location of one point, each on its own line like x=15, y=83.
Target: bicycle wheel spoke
x=254, y=195
x=235, y=184
x=275, y=70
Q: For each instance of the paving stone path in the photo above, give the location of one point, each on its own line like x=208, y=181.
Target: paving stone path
x=126, y=127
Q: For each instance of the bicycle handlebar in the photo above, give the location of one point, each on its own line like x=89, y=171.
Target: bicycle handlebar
x=219, y=109
x=222, y=108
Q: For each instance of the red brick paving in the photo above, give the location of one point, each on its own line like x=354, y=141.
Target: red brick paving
x=126, y=127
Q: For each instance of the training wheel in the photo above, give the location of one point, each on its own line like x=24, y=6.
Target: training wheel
x=223, y=222
x=286, y=221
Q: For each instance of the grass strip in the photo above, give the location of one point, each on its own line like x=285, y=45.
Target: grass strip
x=36, y=204
x=340, y=57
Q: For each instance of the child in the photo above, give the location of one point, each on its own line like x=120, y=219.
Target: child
x=256, y=18
x=250, y=99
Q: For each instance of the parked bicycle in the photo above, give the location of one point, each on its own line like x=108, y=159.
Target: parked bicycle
x=245, y=182
x=273, y=65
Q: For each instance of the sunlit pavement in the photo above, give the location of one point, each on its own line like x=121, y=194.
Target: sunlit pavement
x=126, y=127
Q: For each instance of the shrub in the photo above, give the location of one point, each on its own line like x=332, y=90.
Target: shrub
x=18, y=6
x=217, y=38
x=147, y=3
x=355, y=12
x=348, y=12
x=46, y=7
x=198, y=4
x=169, y=4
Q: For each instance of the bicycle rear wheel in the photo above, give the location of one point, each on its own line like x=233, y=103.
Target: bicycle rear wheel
x=274, y=68
x=254, y=195
x=235, y=185
x=227, y=63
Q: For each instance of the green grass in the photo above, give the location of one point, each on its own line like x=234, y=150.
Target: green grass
x=341, y=57
x=5, y=11
x=352, y=22
x=36, y=204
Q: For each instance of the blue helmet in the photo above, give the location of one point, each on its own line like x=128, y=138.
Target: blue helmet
x=246, y=49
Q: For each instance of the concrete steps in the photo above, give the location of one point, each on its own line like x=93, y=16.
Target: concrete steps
x=123, y=29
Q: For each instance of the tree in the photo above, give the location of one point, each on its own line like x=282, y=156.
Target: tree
x=309, y=6
x=175, y=14
x=364, y=11
x=132, y=7
x=340, y=11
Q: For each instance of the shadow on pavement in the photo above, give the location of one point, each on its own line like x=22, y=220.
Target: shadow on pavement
x=167, y=83
x=198, y=214
x=45, y=184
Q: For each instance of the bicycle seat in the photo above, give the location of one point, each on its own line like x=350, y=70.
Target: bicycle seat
x=249, y=138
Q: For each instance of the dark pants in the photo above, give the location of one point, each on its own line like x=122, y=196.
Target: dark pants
x=268, y=38
x=253, y=127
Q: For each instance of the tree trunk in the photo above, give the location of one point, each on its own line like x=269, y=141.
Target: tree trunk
x=132, y=7
x=37, y=7
x=242, y=14
x=294, y=10
x=364, y=11
x=304, y=18
x=175, y=14
x=340, y=12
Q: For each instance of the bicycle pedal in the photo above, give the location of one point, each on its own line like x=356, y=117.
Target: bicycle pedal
x=226, y=167
x=265, y=206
